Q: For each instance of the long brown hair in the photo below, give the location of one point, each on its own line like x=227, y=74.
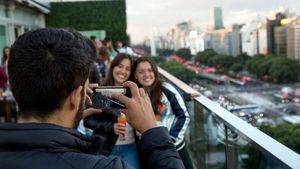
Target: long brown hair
x=109, y=81
x=155, y=90
x=4, y=56
x=103, y=54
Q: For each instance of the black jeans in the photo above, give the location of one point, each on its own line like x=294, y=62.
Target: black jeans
x=186, y=159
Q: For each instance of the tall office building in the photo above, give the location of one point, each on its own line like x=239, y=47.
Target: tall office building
x=181, y=34
x=216, y=18
x=280, y=40
x=271, y=24
x=293, y=41
x=262, y=38
x=236, y=40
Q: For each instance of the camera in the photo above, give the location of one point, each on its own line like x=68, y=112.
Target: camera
x=101, y=97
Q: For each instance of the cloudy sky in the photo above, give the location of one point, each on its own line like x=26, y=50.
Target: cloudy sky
x=161, y=15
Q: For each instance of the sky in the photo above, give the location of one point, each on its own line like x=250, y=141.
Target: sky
x=161, y=15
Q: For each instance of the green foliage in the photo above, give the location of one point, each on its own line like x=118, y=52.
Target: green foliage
x=279, y=69
x=211, y=58
x=252, y=63
x=158, y=59
x=236, y=67
x=179, y=71
x=286, y=134
x=91, y=15
x=204, y=56
x=184, y=53
x=165, y=52
x=243, y=58
x=284, y=70
x=223, y=61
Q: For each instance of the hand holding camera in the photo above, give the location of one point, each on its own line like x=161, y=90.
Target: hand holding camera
x=139, y=112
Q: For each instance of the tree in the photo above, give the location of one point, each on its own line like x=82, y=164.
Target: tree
x=165, y=52
x=179, y=71
x=159, y=59
x=243, y=58
x=204, y=56
x=253, y=63
x=284, y=70
x=286, y=134
x=236, y=67
x=263, y=67
x=184, y=53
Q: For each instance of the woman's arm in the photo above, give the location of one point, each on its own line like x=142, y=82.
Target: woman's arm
x=179, y=109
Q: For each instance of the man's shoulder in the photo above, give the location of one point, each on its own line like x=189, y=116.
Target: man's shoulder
x=89, y=161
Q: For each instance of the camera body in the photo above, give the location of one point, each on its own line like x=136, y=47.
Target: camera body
x=101, y=97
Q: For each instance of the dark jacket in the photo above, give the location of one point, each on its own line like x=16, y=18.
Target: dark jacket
x=103, y=126
x=36, y=146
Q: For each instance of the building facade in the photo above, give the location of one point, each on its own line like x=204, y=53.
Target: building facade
x=17, y=17
x=271, y=24
x=280, y=38
x=216, y=18
x=262, y=39
x=293, y=42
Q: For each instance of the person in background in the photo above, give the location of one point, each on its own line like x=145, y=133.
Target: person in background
x=94, y=76
x=122, y=47
x=111, y=51
x=168, y=105
x=125, y=147
x=96, y=42
x=103, y=61
x=3, y=69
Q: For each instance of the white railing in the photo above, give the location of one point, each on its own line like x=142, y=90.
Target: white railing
x=264, y=143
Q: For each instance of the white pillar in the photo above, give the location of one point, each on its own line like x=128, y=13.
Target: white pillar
x=152, y=44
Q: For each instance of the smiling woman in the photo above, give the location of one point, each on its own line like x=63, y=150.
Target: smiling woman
x=126, y=144
x=168, y=105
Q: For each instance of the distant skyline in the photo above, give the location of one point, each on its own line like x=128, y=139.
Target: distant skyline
x=163, y=15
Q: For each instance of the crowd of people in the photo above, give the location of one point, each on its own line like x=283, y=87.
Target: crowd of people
x=51, y=70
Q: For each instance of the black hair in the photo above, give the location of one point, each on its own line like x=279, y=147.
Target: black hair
x=93, y=38
x=45, y=66
x=107, y=39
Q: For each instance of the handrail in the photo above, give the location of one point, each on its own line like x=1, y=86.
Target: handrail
x=267, y=144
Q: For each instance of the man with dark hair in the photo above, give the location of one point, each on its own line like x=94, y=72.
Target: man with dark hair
x=49, y=71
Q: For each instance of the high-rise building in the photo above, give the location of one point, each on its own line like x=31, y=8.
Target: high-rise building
x=181, y=34
x=250, y=38
x=216, y=18
x=280, y=37
x=227, y=41
x=271, y=24
x=293, y=41
x=236, y=40
x=262, y=38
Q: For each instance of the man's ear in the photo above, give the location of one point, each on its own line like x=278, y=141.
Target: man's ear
x=75, y=97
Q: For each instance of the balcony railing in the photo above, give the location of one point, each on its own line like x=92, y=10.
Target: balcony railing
x=219, y=139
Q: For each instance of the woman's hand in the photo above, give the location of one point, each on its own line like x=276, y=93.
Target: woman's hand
x=119, y=129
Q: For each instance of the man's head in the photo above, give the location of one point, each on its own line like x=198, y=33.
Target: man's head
x=47, y=68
